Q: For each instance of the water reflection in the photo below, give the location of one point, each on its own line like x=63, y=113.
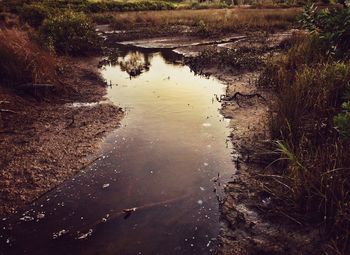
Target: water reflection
x=135, y=64
x=155, y=188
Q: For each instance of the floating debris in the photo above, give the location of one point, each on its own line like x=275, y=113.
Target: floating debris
x=200, y=202
x=128, y=212
x=59, y=233
x=26, y=218
x=86, y=235
x=40, y=216
x=105, y=186
x=104, y=219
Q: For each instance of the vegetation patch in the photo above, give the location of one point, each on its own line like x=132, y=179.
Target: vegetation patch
x=310, y=126
x=207, y=22
x=70, y=33
x=22, y=61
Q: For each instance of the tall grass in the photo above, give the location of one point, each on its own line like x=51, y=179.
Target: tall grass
x=214, y=21
x=22, y=61
x=310, y=88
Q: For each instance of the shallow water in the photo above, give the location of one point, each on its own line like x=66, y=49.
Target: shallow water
x=166, y=164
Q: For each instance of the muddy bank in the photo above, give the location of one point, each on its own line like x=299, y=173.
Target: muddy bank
x=253, y=224
x=44, y=141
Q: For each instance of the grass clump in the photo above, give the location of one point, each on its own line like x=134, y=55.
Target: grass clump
x=70, y=33
x=209, y=22
x=22, y=61
x=310, y=123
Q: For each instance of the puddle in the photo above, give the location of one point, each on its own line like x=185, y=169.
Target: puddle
x=154, y=189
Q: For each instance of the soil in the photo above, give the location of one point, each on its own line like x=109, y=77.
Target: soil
x=46, y=140
x=253, y=224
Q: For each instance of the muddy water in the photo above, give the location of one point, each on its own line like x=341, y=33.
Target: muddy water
x=154, y=189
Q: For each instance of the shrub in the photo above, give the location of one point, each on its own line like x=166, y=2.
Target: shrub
x=70, y=33
x=314, y=183
x=34, y=14
x=332, y=27
x=22, y=61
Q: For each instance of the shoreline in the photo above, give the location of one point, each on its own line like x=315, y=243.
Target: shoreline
x=52, y=142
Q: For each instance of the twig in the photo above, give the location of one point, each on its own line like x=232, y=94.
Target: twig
x=8, y=111
x=235, y=96
x=290, y=217
x=125, y=213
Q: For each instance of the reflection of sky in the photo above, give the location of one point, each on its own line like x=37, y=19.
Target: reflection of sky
x=162, y=160
x=169, y=98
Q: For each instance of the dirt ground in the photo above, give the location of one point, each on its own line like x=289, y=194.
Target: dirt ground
x=46, y=141
x=252, y=223
x=253, y=226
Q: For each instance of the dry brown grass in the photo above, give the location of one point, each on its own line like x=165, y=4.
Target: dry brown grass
x=22, y=61
x=312, y=180
x=213, y=21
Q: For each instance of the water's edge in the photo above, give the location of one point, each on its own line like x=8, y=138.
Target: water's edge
x=155, y=189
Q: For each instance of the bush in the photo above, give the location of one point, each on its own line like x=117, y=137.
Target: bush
x=70, y=33
x=22, y=61
x=332, y=26
x=34, y=14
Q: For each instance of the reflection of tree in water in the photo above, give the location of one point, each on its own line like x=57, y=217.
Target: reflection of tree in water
x=135, y=63
x=171, y=57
